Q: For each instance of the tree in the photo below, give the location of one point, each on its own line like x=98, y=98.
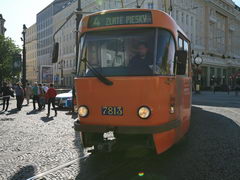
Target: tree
x=10, y=59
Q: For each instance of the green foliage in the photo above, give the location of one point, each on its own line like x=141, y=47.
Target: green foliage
x=9, y=53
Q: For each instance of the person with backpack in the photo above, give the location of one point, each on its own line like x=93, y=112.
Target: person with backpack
x=50, y=96
x=41, y=96
x=35, y=92
x=6, y=92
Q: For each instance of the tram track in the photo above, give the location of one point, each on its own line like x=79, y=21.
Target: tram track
x=40, y=175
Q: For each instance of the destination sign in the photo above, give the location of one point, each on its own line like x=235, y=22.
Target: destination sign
x=120, y=18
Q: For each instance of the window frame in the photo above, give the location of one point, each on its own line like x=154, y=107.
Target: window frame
x=182, y=47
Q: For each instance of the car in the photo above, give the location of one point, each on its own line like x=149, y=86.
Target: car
x=64, y=100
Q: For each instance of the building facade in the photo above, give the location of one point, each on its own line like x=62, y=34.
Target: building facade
x=2, y=28
x=45, y=33
x=65, y=68
x=31, y=54
x=213, y=26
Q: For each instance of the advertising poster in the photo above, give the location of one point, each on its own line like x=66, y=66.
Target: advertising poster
x=47, y=74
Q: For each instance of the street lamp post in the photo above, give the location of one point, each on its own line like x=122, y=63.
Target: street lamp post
x=24, y=56
x=78, y=19
x=198, y=61
x=61, y=68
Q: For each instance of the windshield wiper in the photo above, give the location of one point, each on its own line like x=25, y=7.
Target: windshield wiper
x=97, y=74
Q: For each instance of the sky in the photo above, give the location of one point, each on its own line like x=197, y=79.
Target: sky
x=19, y=12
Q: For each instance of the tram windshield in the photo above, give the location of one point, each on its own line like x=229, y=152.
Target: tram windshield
x=127, y=53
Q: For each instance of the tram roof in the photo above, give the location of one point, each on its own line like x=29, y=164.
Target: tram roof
x=159, y=20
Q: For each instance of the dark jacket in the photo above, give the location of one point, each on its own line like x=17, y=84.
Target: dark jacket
x=6, y=91
x=140, y=66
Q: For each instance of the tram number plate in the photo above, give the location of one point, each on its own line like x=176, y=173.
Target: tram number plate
x=112, y=110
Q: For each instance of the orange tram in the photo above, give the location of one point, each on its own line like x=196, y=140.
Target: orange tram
x=133, y=79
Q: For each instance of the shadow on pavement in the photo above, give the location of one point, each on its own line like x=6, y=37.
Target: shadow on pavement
x=210, y=150
x=24, y=173
x=12, y=111
x=33, y=112
x=73, y=114
x=47, y=119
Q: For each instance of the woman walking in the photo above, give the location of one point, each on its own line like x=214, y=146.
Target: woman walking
x=42, y=96
x=28, y=91
x=7, y=92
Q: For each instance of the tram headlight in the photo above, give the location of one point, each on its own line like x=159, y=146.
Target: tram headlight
x=83, y=111
x=144, y=112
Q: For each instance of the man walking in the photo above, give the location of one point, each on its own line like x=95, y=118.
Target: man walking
x=50, y=95
x=19, y=96
x=36, y=96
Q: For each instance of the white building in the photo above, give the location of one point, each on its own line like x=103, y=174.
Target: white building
x=31, y=54
x=45, y=32
x=64, y=69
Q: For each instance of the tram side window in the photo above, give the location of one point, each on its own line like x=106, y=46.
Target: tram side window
x=186, y=47
x=165, y=53
x=183, y=45
x=180, y=43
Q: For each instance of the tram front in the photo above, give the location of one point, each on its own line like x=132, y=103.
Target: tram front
x=126, y=84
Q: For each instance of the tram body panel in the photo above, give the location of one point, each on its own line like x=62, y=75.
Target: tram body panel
x=129, y=93
x=183, y=86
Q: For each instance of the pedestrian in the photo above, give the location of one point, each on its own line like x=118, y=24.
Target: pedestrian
x=228, y=89
x=237, y=88
x=19, y=95
x=6, y=91
x=42, y=96
x=36, y=92
x=50, y=96
x=45, y=88
x=28, y=91
x=214, y=87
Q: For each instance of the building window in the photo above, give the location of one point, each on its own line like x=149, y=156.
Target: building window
x=177, y=15
x=150, y=5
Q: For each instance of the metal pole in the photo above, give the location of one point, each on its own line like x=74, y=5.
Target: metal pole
x=121, y=3
x=24, y=56
x=78, y=19
x=137, y=4
x=62, y=73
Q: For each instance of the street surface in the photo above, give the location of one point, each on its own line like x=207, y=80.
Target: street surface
x=32, y=145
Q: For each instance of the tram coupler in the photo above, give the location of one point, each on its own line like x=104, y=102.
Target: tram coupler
x=106, y=146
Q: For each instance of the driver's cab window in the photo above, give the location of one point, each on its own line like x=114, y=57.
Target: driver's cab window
x=165, y=53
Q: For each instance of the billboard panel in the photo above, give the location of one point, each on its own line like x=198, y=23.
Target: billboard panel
x=46, y=74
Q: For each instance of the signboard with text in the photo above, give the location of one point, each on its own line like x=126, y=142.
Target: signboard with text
x=120, y=18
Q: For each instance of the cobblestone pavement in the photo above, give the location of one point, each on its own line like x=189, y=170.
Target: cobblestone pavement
x=31, y=144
